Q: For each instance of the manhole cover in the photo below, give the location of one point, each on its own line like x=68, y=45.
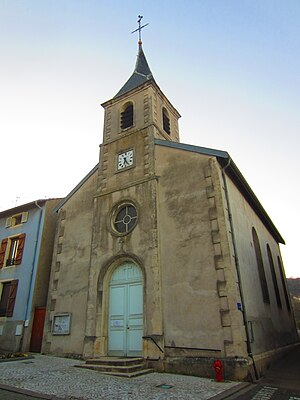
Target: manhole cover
x=164, y=386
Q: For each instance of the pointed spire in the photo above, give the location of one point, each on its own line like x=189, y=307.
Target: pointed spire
x=141, y=66
x=141, y=73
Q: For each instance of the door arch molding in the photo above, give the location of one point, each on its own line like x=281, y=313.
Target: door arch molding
x=108, y=268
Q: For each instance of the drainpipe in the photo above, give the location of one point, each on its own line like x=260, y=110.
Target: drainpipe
x=237, y=265
x=27, y=312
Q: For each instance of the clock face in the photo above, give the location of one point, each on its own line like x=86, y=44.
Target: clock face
x=125, y=159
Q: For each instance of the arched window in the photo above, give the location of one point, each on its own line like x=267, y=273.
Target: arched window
x=166, y=121
x=286, y=295
x=274, y=278
x=260, y=266
x=127, y=116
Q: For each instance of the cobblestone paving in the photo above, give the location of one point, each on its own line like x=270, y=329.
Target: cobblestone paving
x=58, y=377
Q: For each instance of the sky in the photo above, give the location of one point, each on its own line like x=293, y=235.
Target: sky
x=230, y=67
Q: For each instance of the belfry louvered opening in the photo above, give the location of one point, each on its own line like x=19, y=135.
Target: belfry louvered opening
x=127, y=116
x=166, y=121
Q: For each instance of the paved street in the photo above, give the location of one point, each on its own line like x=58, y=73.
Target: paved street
x=281, y=382
x=265, y=392
x=54, y=377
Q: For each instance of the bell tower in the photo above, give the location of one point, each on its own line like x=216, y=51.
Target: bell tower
x=140, y=104
x=134, y=117
x=125, y=219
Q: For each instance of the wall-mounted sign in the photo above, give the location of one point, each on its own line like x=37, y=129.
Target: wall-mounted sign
x=61, y=324
x=19, y=330
x=117, y=323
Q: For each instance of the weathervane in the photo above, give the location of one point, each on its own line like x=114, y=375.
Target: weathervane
x=140, y=28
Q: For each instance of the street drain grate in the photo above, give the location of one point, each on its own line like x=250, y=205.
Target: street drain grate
x=164, y=386
x=27, y=362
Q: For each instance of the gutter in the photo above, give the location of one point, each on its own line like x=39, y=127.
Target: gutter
x=237, y=265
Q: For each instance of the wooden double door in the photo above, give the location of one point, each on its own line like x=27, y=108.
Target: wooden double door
x=126, y=311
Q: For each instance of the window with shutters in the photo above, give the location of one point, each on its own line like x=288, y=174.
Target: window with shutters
x=127, y=116
x=166, y=121
x=11, y=250
x=260, y=266
x=8, y=298
x=16, y=219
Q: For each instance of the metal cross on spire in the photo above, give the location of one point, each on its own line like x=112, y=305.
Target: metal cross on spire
x=139, y=29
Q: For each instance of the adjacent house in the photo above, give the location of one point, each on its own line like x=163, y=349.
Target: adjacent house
x=26, y=246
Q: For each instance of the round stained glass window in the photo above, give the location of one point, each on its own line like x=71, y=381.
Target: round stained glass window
x=125, y=218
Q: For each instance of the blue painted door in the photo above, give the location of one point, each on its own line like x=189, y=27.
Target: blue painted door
x=126, y=311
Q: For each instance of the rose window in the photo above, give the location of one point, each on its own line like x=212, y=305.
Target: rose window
x=125, y=219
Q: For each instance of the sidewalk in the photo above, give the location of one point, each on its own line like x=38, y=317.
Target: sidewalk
x=281, y=381
x=285, y=373
x=57, y=378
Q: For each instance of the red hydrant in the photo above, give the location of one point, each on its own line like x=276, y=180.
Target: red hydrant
x=218, y=367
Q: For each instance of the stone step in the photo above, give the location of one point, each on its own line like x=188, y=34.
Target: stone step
x=114, y=368
x=126, y=367
x=124, y=374
x=114, y=361
x=131, y=374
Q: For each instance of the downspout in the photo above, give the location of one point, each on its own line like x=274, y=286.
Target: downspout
x=237, y=265
x=27, y=311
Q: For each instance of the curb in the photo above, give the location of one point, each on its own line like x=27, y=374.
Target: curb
x=30, y=393
x=241, y=387
x=16, y=359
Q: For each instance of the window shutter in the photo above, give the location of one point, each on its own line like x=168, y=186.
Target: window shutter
x=18, y=258
x=8, y=222
x=12, y=298
x=24, y=216
x=3, y=251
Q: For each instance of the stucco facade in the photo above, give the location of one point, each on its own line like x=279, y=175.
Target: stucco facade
x=271, y=322
x=150, y=261
x=69, y=280
x=26, y=236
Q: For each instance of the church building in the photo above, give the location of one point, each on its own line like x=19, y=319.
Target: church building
x=164, y=252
